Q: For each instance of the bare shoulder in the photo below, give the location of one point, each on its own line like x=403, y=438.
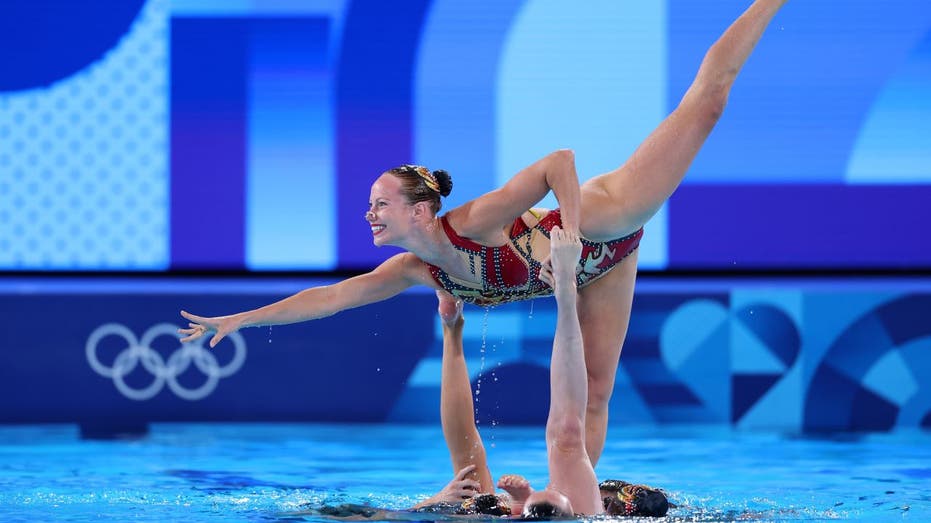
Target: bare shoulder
x=414, y=269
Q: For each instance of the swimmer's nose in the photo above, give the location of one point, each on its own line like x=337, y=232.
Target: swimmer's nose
x=369, y=216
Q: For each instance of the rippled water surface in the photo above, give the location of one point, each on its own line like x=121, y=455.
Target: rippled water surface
x=255, y=472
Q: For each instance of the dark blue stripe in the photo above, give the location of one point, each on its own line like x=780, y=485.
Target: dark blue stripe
x=374, y=120
x=208, y=142
x=799, y=226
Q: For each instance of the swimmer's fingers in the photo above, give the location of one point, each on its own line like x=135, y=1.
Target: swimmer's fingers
x=464, y=471
x=202, y=320
x=201, y=325
x=190, y=334
x=546, y=275
x=216, y=338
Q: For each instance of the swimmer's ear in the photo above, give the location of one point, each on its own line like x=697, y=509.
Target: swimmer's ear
x=421, y=209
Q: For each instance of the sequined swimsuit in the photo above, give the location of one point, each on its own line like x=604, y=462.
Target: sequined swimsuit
x=510, y=272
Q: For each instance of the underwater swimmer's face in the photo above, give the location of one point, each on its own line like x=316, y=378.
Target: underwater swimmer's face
x=489, y=504
x=624, y=499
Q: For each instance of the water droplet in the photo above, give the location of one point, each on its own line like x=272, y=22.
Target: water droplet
x=377, y=369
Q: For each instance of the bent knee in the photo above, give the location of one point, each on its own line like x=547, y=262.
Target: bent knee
x=598, y=399
x=601, y=381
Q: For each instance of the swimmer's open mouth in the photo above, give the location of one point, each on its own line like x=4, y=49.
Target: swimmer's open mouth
x=376, y=229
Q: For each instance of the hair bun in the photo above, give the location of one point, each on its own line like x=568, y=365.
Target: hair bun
x=444, y=181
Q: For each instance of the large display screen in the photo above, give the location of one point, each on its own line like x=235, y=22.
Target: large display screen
x=156, y=135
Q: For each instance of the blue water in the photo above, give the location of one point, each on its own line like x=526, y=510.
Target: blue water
x=260, y=472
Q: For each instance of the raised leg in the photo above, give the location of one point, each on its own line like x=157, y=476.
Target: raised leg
x=621, y=201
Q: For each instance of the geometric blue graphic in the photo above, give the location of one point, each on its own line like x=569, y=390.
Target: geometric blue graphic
x=778, y=335
x=747, y=389
x=693, y=344
x=774, y=328
x=845, y=392
x=676, y=356
x=891, y=378
x=43, y=41
x=894, y=145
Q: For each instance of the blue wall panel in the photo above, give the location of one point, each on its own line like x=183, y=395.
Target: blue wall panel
x=789, y=355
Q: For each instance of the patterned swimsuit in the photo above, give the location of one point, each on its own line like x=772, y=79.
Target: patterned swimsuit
x=510, y=272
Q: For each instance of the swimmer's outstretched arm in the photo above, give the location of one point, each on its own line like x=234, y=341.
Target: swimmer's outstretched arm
x=457, y=411
x=388, y=279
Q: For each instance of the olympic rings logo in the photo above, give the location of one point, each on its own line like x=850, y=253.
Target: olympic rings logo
x=140, y=351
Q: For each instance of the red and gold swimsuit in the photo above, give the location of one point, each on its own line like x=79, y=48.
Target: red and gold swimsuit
x=511, y=272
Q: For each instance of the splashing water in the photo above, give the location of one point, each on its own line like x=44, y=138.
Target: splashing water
x=481, y=368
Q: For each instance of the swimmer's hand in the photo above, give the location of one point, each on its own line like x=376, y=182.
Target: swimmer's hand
x=565, y=251
x=450, y=309
x=458, y=489
x=200, y=325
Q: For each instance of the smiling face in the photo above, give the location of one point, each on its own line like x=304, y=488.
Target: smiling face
x=389, y=214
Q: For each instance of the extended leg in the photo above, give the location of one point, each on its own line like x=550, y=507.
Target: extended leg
x=621, y=201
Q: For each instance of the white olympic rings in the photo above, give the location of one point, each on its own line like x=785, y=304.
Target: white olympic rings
x=138, y=351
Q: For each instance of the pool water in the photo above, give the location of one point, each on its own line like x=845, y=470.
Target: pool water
x=261, y=472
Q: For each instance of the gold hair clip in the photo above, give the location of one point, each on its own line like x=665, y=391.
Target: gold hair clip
x=428, y=178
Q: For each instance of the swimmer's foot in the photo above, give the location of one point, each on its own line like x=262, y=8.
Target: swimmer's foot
x=519, y=489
